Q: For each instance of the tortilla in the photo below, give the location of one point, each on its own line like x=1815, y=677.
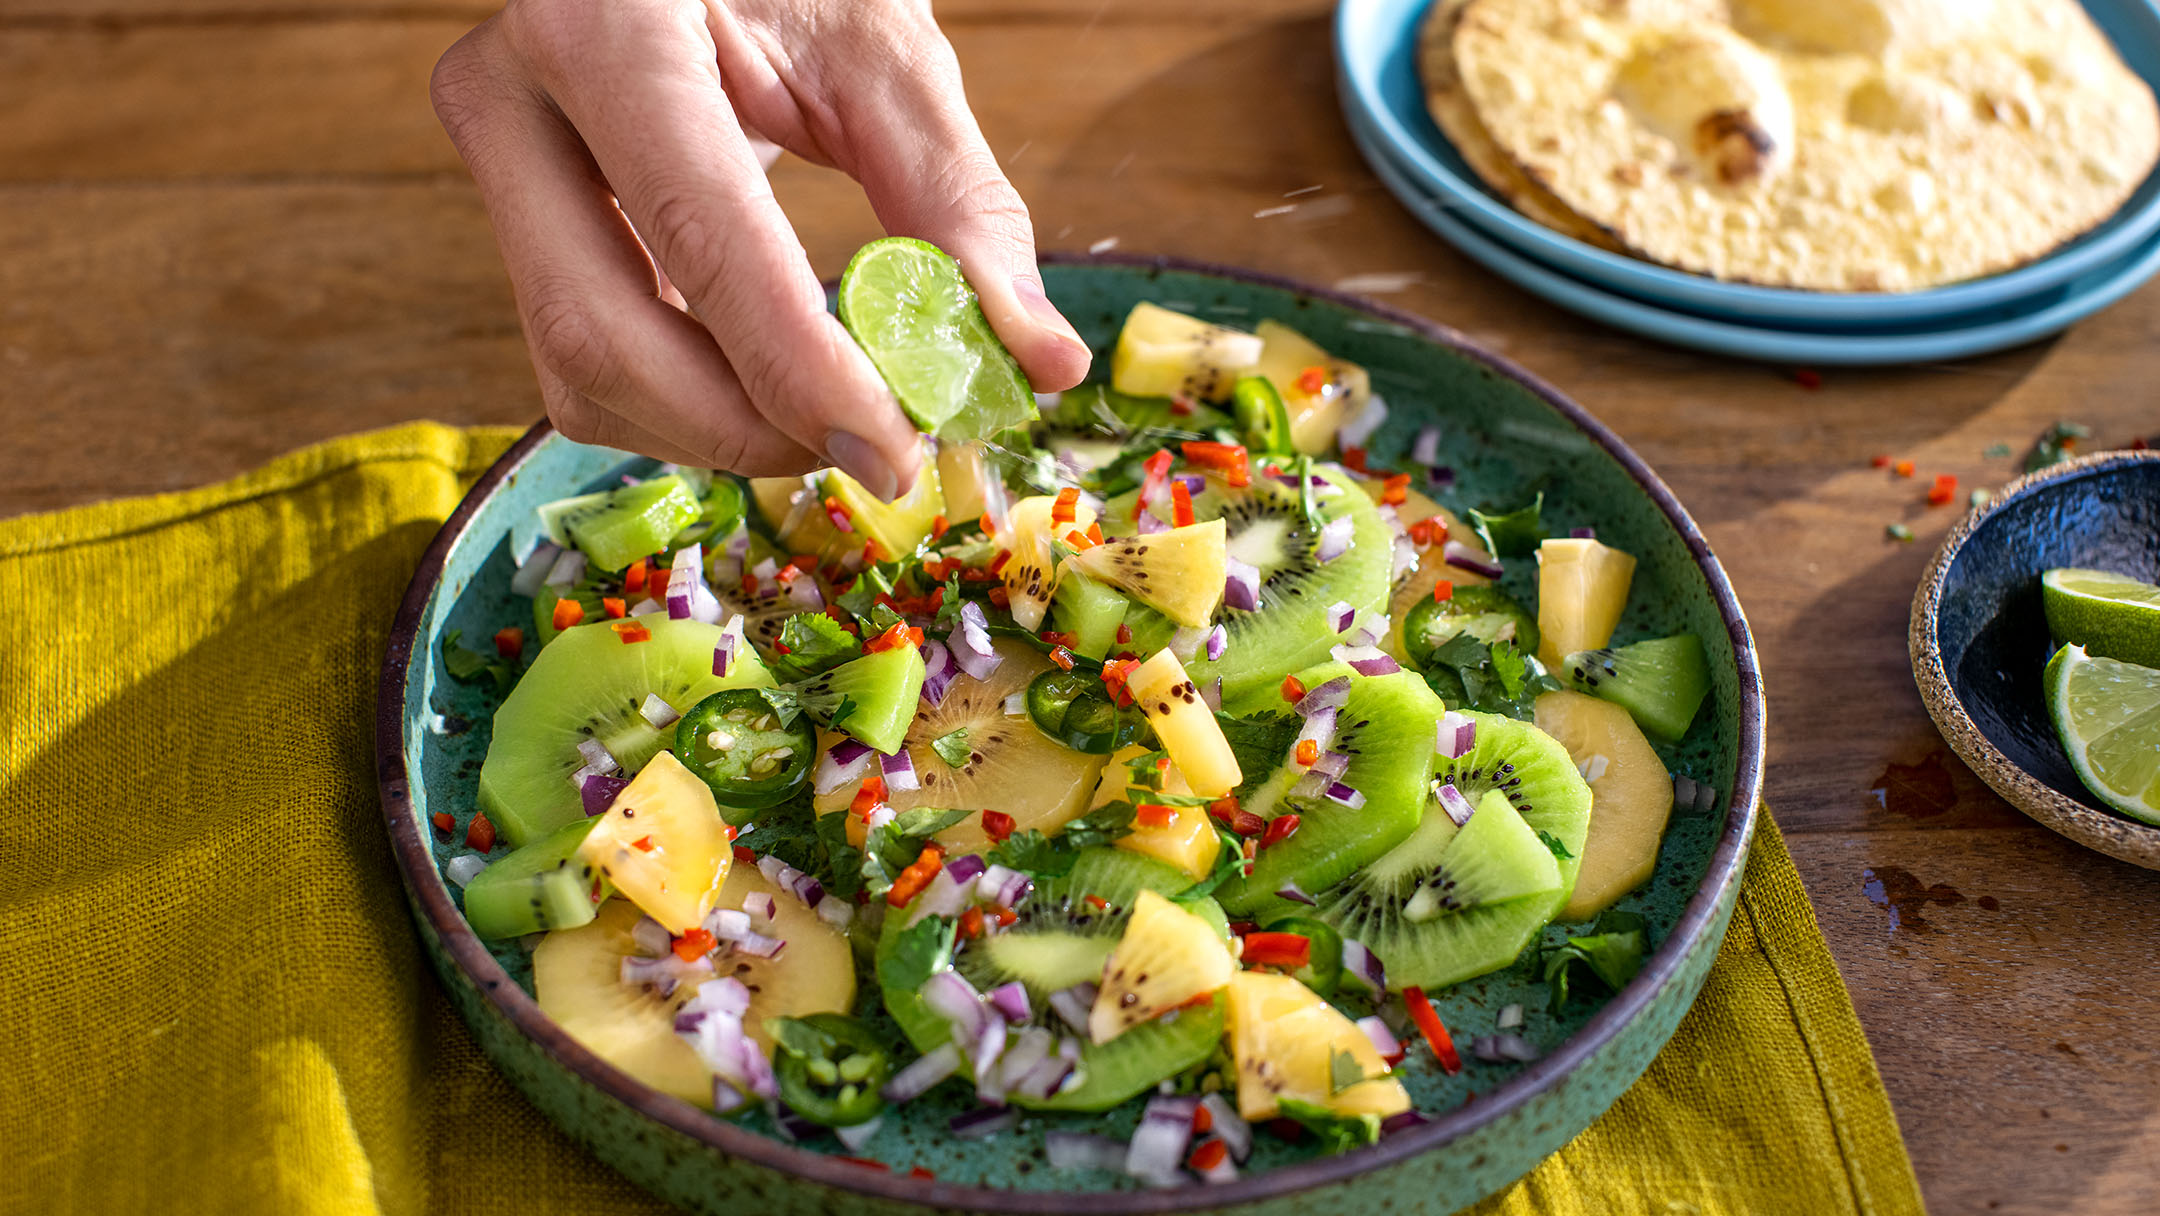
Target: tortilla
x=1458, y=120
x=1836, y=145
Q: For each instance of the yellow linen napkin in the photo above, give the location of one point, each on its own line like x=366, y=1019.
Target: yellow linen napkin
x=212, y=997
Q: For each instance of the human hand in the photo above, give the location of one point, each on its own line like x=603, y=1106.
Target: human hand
x=669, y=307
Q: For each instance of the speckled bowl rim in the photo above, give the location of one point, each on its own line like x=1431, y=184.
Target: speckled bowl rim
x=2118, y=836
x=416, y=861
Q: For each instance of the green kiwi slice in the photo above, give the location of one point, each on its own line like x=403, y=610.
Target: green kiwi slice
x=1661, y=683
x=544, y=885
x=1090, y=612
x=1385, y=727
x=872, y=698
x=1474, y=919
x=590, y=685
x=616, y=527
x=1061, y=939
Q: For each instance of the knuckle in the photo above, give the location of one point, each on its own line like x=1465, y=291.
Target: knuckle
x=550, y=33
x=459, y=87
x=570, y=342
x=578, y=420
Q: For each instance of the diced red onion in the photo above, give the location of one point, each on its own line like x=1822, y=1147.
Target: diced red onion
x=651, y=936
x=647, y=607
x=836, y=912
x=1359, y=960
x=1593, y=767
x=1366, y=660
x=1217, y=642
x=1047, y=1077
x=1339, y=616
x=569, y=567
x=1241, y=587
x=1146, y=524
x=804, y=594
x=599, y=793
x=1426, y=447
x=807, y=889
x=1383, y=1039
x=1015, y=705
x=842, y=764
x=1004, y=887
x=1194, y=483
x=1456, y=735
x=1358, y=431
x=1083, y=1151
x=1029, y=1049
x=723, y=655
x=970, y=643
x=939, y=672
x=950, y=996
x=945, y=896
x=989, y=1121
x=984, y=1052
x=1335, y=537
x=879, y=817
x=1331, y=764
x=759, y=906
x=766, y=570
x=1185, y=643
x=775, y=870
x=726, y=1099
x=899, y=770
x=1506, y=1048
x=1319, y=730
x=665, y=973
x=1073, y=1004
x=964, y=868
x=1402, y=1121
x=657, y=711
x=1312, y=785
x=1329, y=695
x=1211, y=694
x=1221, y=1173
x=1405, y=556
x=1235, y=1133
x=1458, y=808
x=532, y=575
x=465, y=867
x=1158, y=1144
x=738, y=545
x=727, y=924
x=757, y=945
x=1338, y=792
x=1296, y=894
x=1440, y=475
x=1464, y=557
x=856, y=1135
x=916, y=1079
x=1582, y=533
x=1510, y=1017
x=597, y=755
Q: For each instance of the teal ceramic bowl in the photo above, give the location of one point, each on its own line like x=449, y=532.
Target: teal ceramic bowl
x=1504, y=433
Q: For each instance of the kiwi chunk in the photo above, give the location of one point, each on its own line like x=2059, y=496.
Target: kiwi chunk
x=1477, y=919
x=616, y=527
x=1386, y=729
x=590, y=685
x=1089, y=612
x=1661, y=683
x=1061, y=939
x=872, y=698
x=544, y=885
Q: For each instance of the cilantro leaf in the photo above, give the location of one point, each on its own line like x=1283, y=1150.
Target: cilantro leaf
x=842, y=711
x=467, y=666
x=952, y=747
x=1495, y=678
x=892, y=847
x=1229, y=863
x=841, y=872
x=1557, y=846
x=786, y=703
x=1099, y=826
x=2054, y=444
x=1343, y=1071
x=1336, y=1133
x=799, y=1038
x=1259, y=743
x=814, y=644
x=1513, y=533
x=1612, y=956
x=1031, y=852
x=922, y=949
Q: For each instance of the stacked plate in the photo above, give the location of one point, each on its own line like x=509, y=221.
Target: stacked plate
x=1376, y=46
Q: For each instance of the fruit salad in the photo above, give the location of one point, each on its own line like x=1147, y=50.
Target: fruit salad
x=1157, y=751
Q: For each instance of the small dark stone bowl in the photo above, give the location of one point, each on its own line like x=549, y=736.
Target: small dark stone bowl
x=1979, y=640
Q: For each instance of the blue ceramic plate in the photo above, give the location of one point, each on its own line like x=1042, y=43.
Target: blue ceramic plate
x=1881, y=345
x=1376, y=55
x=1504, y=432
x=1979, y=640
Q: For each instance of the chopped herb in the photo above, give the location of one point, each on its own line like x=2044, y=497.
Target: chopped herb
x=1229, y=863
x=1555, y=844
x=892, y=847
x=1336, y=1133
x=1343, y=1072
x=2054, y=444
x=787, y=704
x=1494, y=677
x=1613, y=954
x=953, y=747
x=1513, y=533
x=1033, y=853
x=811, y=644
x=842, y=711
x=922, y=949
x=1996, y=451
x=1898, y=532
x=1099, y=826
x=1259, y=743
x=467, y=666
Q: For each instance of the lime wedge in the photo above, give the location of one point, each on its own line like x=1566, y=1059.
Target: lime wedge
x=914, y=314
x=2111, y=615
x=2108, y=715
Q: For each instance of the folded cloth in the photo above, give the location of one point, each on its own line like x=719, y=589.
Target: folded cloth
x=211, y=996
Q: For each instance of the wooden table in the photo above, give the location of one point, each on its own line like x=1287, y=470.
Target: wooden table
x=230, y=227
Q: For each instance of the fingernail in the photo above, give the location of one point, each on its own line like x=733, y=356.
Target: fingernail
x=856, y=458
x=1045, y=313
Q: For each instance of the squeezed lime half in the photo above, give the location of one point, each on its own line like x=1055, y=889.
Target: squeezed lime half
x=2107, y=713
x=912, y=311
x=2111, y=615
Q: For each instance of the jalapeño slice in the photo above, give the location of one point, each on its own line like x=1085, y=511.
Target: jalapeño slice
x=735, y=741
x=830, y=1068
x=1261, y=416
x=1484, y=612
x=1324, y=973
x=1076, y=710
